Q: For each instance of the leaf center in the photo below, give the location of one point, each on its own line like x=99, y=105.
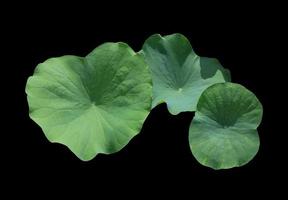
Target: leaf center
x=227, y=120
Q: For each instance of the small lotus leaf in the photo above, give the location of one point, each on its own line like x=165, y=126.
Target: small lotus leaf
x=223, y=133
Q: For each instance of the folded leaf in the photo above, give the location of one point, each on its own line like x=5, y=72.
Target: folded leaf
x=179, y=75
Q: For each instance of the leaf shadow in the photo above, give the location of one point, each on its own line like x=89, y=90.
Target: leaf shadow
x=209, y=67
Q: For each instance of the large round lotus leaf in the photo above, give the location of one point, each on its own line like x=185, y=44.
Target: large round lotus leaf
x=223, y=132
x=94, y=104
x=179, y=75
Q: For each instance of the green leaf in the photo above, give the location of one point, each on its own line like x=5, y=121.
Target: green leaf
x=179, y=75
x=94, y=104
x=223, y=132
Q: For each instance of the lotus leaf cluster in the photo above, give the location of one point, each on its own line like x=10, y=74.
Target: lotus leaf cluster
x=98, y=103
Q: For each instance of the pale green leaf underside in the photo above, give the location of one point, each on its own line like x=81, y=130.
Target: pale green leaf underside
x=94, y=104
x=223, y=133
x=179, y=75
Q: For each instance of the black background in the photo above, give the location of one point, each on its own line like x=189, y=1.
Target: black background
x=159, y=157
